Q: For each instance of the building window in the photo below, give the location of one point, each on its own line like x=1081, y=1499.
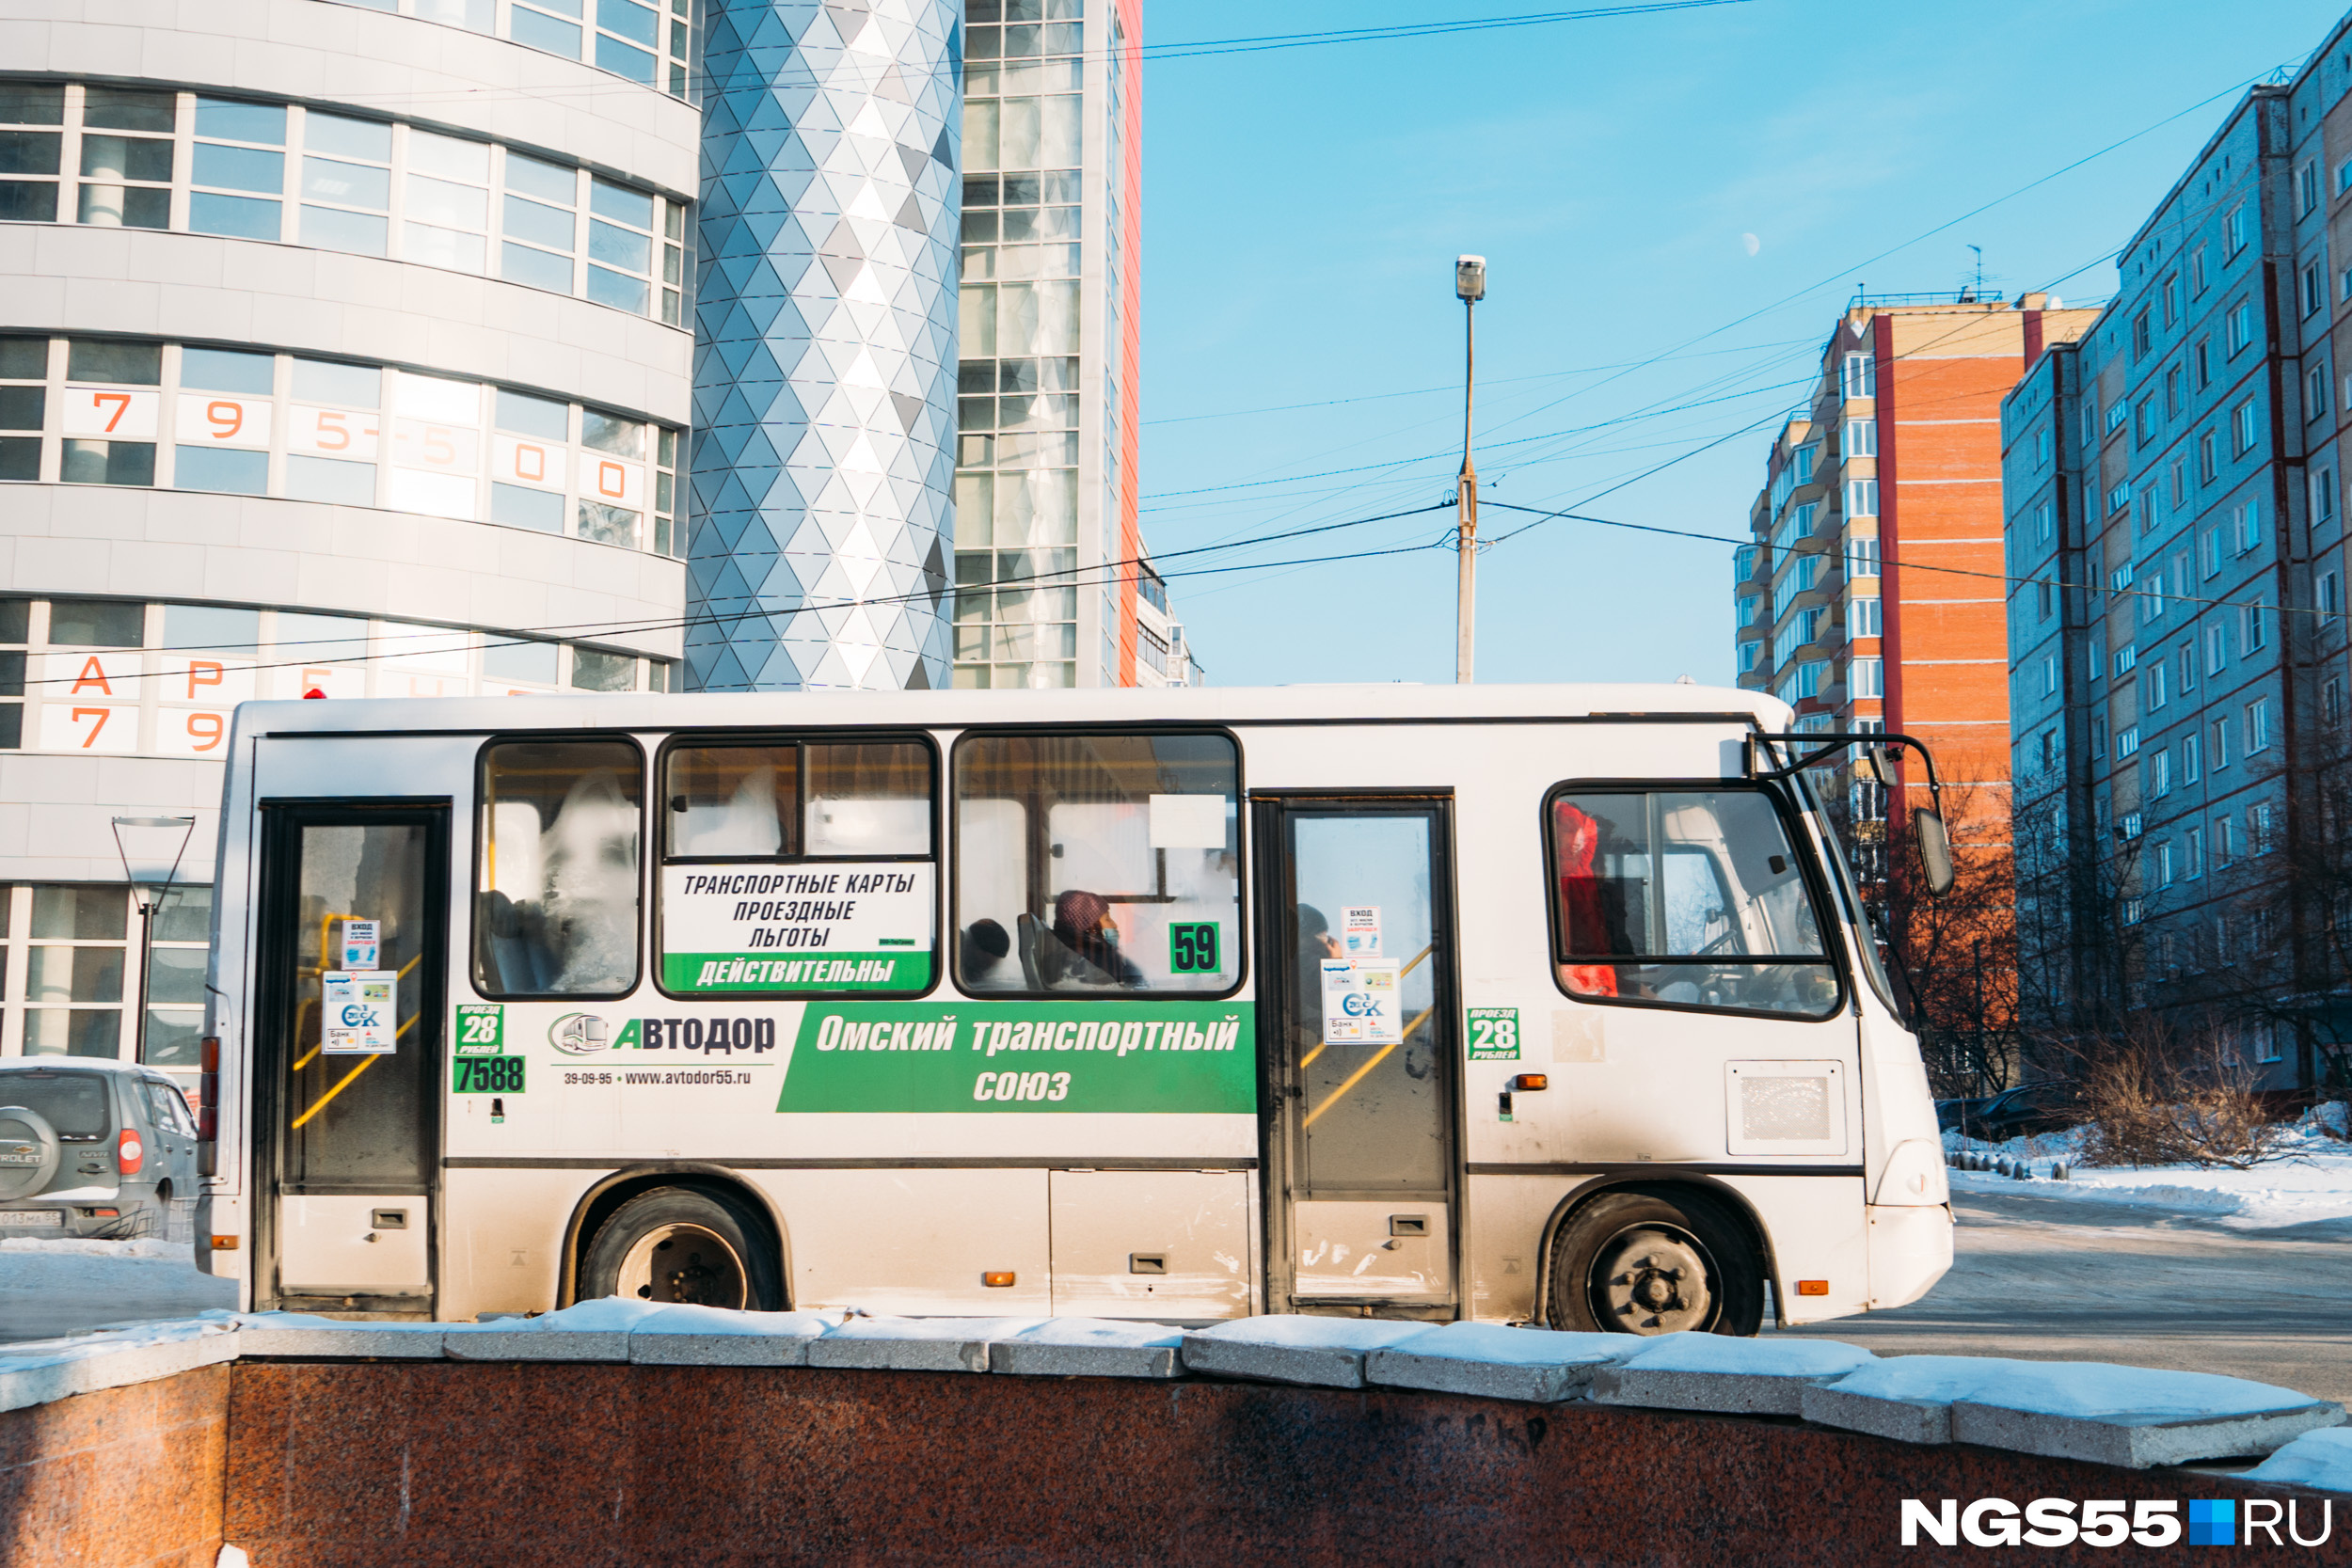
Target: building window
x=2314, y=288
x=2126, y=742
x=2119, y=498
x=2239, y=328
x=2242, y=428
x=2306, y=187
x=1862, y=558
x=623, y=37
x=2140, y=337
x=2330, y=594
x=1860, y=376
x=1862, y=498
x=356, y=435
x=2193, y=853
x=2225, y=852
x=1868, y=678
x=2192, y=758
x=2233, y=230
x=300, y=176
x=2259, y=838
x=2164, y=871
x=2258, y=725
x=2187, y=663
x=1861, y=438
x=2331, y=699
x=2144, y=422
x=2218, y=757
x=2158, y=768
x=1862, y=618
x=2045, y=522
x=2196, y=271
x=2323, y=495
x=2217, y=649
x=2253, y=625
x=2246, y=519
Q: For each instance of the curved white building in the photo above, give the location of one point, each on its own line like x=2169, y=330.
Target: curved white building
x=343, y=349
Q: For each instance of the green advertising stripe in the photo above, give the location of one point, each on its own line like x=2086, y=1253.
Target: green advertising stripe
x=1188, y=1058
x=718, y=974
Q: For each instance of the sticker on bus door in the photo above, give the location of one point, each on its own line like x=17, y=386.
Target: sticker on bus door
x=838, y=927
x=360, y=1011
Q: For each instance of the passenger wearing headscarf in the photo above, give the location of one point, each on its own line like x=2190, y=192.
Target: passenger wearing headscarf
x=1083, y=924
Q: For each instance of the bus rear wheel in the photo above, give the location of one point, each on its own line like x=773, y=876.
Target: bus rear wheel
x=1638, y=1262
x=683, y=1245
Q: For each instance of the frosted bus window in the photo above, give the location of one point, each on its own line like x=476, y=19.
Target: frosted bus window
x=1093, y=863
x=556, y=899
x=1687, y=898
x=793, y=866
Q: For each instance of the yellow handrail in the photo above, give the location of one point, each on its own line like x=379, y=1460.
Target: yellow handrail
x=365, y=1063
x=1358, y=1076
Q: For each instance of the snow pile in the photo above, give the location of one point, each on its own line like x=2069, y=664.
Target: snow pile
x=1722, y=1353
x=1304, y=1331
x=2311, y=1181
x=2321, y=1460
x=2083, y=1390
x=1097, y=1331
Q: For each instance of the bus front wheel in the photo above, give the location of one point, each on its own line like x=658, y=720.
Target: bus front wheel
x=687, y=1245
x=1639, y=1262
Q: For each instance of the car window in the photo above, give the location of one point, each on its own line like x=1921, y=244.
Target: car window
x=169, y=1110
x=75, y=1103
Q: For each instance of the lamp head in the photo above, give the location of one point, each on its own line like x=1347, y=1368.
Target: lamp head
x=1469, y=277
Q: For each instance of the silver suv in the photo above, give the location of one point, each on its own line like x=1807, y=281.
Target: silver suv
x=91, y=1147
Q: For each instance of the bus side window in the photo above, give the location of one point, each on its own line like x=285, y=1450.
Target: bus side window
x=1098, y=864
x=797, y=867
x=556, y=889
x=1684, y=897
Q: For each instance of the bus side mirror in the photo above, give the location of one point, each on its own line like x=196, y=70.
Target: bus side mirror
x=1876, y=765
x=1935, y=849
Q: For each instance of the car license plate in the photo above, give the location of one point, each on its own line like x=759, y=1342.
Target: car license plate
x=31, y=1218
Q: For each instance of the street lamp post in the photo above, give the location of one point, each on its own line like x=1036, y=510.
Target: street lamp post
x=1469, y=286
x=149, y=892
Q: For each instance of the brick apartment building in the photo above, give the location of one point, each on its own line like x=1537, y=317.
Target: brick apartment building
x=1872, y=598
x=2174, y=512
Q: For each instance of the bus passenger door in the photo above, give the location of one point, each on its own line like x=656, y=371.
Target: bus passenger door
x=1357, y=960
x=353, y=940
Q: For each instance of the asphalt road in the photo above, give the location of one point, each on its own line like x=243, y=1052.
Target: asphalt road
x=44, y=1294
x=2049, y=1279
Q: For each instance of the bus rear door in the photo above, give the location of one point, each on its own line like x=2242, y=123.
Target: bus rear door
x=353, y=942
x=1357, y=965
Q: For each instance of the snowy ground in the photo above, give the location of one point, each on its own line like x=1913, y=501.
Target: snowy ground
x=55, y=1285
x=2311, y=1182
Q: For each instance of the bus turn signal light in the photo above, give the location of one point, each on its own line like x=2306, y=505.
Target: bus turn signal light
x=1527, y=1082
x=1812, y=1287
x=224, y=1243
x=997, y=1280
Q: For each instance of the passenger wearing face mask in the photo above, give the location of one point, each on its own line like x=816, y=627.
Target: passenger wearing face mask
x=1083, y=924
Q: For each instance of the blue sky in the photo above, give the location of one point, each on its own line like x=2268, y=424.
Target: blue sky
x=1635, y=183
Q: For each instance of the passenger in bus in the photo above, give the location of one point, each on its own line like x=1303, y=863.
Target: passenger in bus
x=986, y=947
x=1584, y=923
x=1083, y=925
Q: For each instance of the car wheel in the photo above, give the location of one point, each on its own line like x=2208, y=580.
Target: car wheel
x=684, y=1244
x=28, y=1151
x=1636, y=1262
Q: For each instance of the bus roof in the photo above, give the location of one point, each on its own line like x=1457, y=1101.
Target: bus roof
x=1359, y=703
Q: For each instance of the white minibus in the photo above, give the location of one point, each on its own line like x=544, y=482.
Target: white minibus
x=1524, y=1004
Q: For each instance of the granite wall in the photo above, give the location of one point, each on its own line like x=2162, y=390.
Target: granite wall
x=548, y=1464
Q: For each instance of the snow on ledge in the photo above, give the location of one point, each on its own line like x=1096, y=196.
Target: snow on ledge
x=1825, y=1380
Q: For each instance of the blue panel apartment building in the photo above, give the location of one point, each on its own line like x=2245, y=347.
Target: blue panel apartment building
x=2174, y=517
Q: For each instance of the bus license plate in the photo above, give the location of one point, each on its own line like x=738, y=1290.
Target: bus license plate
x=489, y=1074
x=31, y=1218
